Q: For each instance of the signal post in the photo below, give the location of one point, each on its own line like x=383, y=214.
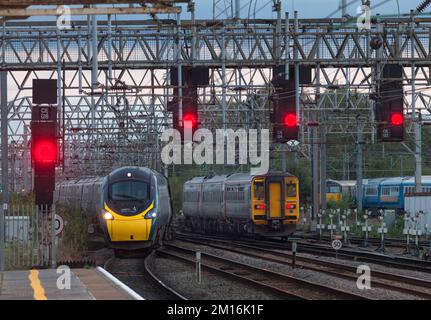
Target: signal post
x=44, y=154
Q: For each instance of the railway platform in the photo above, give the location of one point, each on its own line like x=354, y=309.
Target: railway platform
x=46, y=284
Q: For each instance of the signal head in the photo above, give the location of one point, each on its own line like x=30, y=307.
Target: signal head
x=45, y=151
x=290, y=120
x=189, y=120
x=397, y=119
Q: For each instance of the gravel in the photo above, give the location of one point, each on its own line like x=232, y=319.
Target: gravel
x=181, y=277
x=373, y=266
x=132, y=273
x=313, y=276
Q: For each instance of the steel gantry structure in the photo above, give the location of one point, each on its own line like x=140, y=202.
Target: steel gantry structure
x=117, y=81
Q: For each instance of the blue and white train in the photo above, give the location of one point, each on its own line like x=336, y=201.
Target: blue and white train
x=383, y=193
x=388, y=193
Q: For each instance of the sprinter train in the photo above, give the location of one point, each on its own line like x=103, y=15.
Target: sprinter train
x=263, y=205
x=131, y=206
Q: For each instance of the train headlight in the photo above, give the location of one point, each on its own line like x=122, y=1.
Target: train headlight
x=108, y=216
x=150, y=215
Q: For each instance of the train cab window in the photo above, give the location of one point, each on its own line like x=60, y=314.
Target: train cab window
x=333, y=189
x=130, y=191
x=259, y=190
x=291, y=190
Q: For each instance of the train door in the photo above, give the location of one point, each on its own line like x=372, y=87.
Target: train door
x=275, y=197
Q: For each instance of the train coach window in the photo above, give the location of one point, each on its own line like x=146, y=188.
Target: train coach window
x=130, y=190
x=390, y=191
x=371, y=191
x=291, y=190
x=259, y=190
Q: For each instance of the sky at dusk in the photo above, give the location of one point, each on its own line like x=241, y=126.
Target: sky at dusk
x=308, y=8
x=263, y=9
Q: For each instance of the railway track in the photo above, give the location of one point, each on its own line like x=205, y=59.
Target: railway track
x=373, y=241
x=385, y=280
x=137, y=274
x=288, y=286
x=393, y=261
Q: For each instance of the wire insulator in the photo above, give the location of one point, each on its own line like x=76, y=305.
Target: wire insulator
x=423, y=6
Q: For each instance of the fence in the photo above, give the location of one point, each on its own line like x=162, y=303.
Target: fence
x=28, y=237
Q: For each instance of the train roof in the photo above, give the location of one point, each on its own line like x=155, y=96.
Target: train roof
x=411, y=180
x=348, y=183
x=374, y=181
x=385, y=181
x=196, y=180
x=403, y=180
x=115, y=174
x=216, y=179
x=394, y=181
x=234, y=177
x=239, y=177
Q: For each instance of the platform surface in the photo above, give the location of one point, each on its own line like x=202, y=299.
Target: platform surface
x=85, y=284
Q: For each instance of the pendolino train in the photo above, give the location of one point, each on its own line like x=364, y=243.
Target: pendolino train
x=265, y=205
x=131, y=206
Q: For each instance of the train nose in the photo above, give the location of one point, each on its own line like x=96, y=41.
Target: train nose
x=130, y=230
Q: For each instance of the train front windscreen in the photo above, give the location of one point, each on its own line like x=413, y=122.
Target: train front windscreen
x=130, y=191
x=129, y=197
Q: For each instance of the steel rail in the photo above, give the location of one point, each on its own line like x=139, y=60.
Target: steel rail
x=163, y=286
x=366, y=256
x=387, y=260
x=331, y=268
x=277, y=281
x=391, y=242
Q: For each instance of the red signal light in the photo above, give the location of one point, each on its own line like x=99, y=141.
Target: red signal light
x=259, y=206
x=290, y=120
x=397, y=119
x=189, y=120
x=290, y=206
x=45, y=151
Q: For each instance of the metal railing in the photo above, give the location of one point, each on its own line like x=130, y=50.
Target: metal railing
x=28, y=237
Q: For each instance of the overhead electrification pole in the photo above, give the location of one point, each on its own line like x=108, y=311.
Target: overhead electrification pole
x=359, y=166
x=94, y=82
x=416, y=117
x=4, y=164
x=343, y=6
x=237, y=9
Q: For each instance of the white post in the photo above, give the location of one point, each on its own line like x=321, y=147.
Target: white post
x=198, y=267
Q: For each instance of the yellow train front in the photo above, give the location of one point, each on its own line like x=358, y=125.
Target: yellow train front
x=266, y=205
x=135, y=208
x=337, y=189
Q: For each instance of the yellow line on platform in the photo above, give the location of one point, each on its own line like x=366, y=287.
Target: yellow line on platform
x=39, y=291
